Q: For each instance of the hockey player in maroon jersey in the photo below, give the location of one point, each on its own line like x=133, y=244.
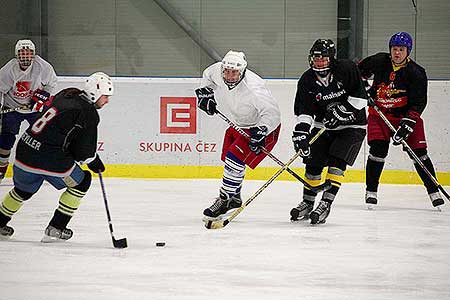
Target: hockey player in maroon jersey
x=331, y=94
x=25, y=81
x=399, y=89
x=53, y=147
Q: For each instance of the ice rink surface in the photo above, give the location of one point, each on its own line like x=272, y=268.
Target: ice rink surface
x=400, y=250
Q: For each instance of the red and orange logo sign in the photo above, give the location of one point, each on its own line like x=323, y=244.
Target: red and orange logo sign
x=178, y=115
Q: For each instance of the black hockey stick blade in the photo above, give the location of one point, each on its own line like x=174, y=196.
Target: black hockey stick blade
x=121, y=243
x=216, y=224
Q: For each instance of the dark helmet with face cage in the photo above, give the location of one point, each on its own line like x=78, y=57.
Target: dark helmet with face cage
x=322, y=48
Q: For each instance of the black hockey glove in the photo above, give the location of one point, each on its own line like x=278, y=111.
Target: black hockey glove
x=257, y=138
x=404, y=130
x=96, y=165
x=300, y=138
x=337, y=115
x=206, y=101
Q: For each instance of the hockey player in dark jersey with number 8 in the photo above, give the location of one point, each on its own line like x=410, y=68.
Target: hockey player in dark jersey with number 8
x=331, y=94
x=52, y=149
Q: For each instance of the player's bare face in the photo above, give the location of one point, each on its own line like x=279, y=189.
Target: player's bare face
x=399, y=54
x=102, y=101
x=231, y=75
x=25, y=57
x=321, y=62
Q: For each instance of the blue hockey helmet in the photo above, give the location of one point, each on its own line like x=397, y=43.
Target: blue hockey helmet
x=402, y=38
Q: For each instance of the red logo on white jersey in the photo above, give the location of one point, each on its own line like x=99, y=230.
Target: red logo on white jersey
x=178, y=115
x=23, y=89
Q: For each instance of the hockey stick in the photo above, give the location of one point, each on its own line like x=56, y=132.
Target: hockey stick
x=222, y=223
x=5, y=111
x=411, y=153
x=122, y=243
x=316, y=189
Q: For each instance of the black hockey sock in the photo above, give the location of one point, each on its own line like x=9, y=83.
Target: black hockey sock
x=336, y=176
x=330, y=194
x=12, y=202
x=59, y=220
x=373, y=172
x=4, y=220
x=429, y=184
x=309, y=196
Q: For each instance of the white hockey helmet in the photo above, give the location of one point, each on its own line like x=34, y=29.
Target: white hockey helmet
x=25, y=58
x=234, y=60
x=98, y=84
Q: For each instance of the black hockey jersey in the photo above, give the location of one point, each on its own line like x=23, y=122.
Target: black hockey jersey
x=313, y=96
x=399, y=92
x=65, y=133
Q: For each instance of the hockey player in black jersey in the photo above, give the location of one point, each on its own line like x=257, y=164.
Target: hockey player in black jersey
x=399, y=90
x=62, y=138
x=331, y=94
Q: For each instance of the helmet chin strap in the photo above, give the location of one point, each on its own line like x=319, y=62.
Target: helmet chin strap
x=322, y=72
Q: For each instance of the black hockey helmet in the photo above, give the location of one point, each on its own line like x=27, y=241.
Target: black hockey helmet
x=320, y=49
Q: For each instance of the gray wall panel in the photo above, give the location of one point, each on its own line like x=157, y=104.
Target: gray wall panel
x=433, y=37
x=307, y=21
x=150, y=43
x=387, y=17
x=82, y=41
x=255, y=27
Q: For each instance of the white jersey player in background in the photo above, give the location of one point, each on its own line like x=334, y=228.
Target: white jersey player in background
x=229, y=87
x=26, y=84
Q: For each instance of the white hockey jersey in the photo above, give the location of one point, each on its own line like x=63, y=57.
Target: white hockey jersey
x=249, y=104
x=17, y=86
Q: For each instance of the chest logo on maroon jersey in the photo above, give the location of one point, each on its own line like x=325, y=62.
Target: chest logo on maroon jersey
x=388, y=96
x=23, y=89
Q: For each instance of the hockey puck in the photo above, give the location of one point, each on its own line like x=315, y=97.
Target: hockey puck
x=160, y=244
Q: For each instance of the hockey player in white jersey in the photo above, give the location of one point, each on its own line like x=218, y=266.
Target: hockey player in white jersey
x=229, y=87
x=26, y=84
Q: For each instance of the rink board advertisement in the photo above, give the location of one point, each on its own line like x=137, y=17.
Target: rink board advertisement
x=153, y=124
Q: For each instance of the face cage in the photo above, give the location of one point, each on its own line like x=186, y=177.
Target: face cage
x=25, y=60
x=322, y=72
x=230, y=84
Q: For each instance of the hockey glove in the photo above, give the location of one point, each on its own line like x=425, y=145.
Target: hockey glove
x=300, y=138
x=257, y=138
x=41, y=99
x=337, y=115
x=404, y=130
x=96, y=165
x=206, y=101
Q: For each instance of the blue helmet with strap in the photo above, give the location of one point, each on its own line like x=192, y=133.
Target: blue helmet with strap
x=402, y=39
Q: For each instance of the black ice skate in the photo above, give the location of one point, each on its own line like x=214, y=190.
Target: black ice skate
x=436, y=200
x=221, y=206
x=319, y=215
x=371, y=199
x=301, y=212
x=53, y=234
x=6, y=232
